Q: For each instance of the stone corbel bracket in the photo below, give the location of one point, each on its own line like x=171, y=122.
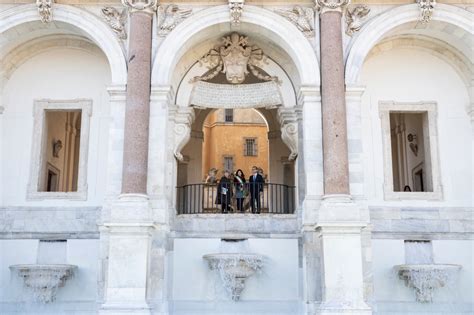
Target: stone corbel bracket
x=289, y=130
x=183, y=119
x=236, y=8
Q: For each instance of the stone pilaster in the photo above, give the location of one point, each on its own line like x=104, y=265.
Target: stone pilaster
x=339, y=220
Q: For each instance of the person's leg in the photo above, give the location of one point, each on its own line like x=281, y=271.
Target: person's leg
x=258, y=202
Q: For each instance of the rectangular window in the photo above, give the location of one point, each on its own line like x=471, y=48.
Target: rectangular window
x=410, y=150
x=228, y=163
x=229, y=115
x=59, y=153
x=250, y=148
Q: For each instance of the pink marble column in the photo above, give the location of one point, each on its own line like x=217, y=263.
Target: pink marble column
x=335, y=156
x=137, y=112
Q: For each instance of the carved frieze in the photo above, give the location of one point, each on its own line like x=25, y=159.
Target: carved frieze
x=236, y=8
x=236, y=58
x=426, y=9
x=169, y=17
x=301, y=17
x=45, y=10
x=116, y=20
x=355, y=17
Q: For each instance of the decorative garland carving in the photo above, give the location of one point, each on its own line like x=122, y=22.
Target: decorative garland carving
x=426, y=9
x=45, y=10
x=183, y=119
x=116, y=20
x=169, y=17
x=355, y=18
x=236, y=8
x=302, y=18
x=236, y=58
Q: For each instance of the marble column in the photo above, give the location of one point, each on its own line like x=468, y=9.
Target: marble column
x=128, y=225
x=335, y=158
x=339, y=220
x=137, y=111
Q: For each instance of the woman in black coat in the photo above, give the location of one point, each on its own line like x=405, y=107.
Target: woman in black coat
x=224, y=191
x=240, y=189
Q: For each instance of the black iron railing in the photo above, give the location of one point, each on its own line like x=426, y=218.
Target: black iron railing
x=236, y=198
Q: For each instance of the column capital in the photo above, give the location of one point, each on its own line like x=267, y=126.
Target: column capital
x=331, y=5
x=147, y=6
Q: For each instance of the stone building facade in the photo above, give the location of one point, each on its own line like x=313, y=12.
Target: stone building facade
x=369, y=108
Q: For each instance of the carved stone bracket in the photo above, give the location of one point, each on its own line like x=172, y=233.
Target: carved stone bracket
x=301, y=17
x=236, y=7
x=183, y=119
x=149, y=6
x=45, y=10
x=355, y=17
x=289, y=130
x=331, y=5
x=426, y=9
x=116, y=20
x=169, y=17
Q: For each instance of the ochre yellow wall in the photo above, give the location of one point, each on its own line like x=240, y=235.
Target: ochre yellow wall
x=228, y=139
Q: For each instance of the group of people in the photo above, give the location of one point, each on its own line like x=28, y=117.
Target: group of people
x=237, y=184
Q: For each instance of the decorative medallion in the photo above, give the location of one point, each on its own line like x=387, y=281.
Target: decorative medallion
x=236, y=58
x=302, y=18
x=116, y=20
x=355, y=18
x=44, y=10
x=169, y=17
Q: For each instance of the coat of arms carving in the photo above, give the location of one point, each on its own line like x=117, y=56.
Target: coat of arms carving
x=236, y=58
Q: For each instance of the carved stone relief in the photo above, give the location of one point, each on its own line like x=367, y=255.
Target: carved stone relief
x=169, y=17
x=144, y=5
x=116, y=20
x=301, y=17
x=236, y=58
x=426, y=9
x=44, y=10
x=355, y=17
x=331, y=5
x=236, y=7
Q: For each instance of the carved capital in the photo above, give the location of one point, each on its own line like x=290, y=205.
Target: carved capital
x=148, y=6
x=289, y=130
x=183, y=119
x=331, y=5
x=236, y=8
x=45, y=10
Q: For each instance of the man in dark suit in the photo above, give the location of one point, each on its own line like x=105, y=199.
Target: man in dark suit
x=255, y=187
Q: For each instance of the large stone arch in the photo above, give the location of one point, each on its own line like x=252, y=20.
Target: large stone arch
x=376, y=29
x=95, y=28
x=190, y=31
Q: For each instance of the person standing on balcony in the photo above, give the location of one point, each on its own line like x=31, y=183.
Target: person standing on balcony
x=255, y=186
x=240, y=192
x=224, y=191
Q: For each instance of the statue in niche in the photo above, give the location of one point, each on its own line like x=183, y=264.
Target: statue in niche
x=57, y=146
x=236, y=58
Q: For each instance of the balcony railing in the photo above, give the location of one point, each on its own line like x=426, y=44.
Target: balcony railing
x=231, y=198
